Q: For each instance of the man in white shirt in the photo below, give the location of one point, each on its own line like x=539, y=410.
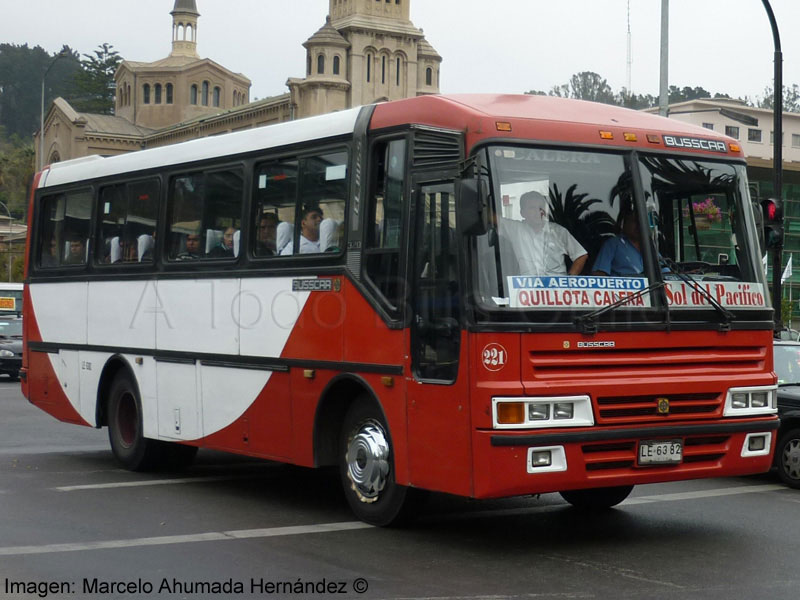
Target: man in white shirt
x=310, y=219
x=540, y=245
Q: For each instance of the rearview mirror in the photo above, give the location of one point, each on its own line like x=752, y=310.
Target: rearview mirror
x=473, y=205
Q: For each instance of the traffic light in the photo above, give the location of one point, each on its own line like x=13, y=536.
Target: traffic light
x=773, y=222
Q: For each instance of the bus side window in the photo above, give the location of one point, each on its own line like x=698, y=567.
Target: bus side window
x=385, y=220
x=320, y=216
x=65, y=229
x=205, y=215
x=276, y=196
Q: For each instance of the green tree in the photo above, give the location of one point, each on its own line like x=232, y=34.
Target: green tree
x=791, y=98
x=588, y=85
x=21, y=72
x=93, y=86
x=16, y=171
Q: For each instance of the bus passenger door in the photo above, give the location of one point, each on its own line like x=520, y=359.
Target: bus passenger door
x=438, y=415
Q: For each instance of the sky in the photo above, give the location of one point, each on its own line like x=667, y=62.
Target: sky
x=502, y=46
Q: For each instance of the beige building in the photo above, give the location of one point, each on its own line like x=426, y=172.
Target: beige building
x=367, y=51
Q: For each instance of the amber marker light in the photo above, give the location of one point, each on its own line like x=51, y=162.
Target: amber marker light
x=606, y=135
x=653, y=139
x=629, y=137
x=503, y=125
x=510, y=413
x=735, y=148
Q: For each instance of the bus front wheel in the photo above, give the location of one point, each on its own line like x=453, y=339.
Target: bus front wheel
x=597, y=498
x=134, y=451
x=366, y=467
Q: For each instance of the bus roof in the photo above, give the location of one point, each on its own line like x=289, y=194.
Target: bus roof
x=541, y=118
x=545, y=118
x=259, y=138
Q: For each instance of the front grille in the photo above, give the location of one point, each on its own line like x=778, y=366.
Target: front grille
x=638, y=409
x=681, y=361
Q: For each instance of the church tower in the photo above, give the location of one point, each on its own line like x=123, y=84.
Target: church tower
x=367, y=51
x=180, y=87
x=184, y=28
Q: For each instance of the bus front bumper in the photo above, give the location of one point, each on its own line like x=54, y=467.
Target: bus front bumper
x=512, y=463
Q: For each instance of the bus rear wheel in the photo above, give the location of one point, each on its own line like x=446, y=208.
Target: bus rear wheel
x=125, y=431
x=597, y=498
x=366, y=467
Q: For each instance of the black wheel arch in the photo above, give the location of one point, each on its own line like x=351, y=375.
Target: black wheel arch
x=336, y=399
x=114, y=365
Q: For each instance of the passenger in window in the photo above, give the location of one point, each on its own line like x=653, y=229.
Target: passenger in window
x=310, y=219
x=50, y=255
x=77, y=252
x=283, y=238
x=192, y=247
x=266, y=244
x=225, y=248
x=541, y=246
x=330, y=235
x=621, y=255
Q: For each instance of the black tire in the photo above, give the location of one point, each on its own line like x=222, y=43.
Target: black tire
x=125, y=432
x=597, y=498
x=787, y=458
x=366, y=467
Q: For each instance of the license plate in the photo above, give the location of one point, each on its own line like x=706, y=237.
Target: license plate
x=660, y=452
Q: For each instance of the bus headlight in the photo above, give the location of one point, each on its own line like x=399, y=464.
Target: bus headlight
x=6, y=354
x=540, y=412
x=751, y=401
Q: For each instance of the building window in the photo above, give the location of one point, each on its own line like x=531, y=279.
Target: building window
x=709, y=126
x=158, y=93
x=428, y=76
x=397, y=74
x=146, y=93
x=308, y=66
x=169, y=93
x=383, y=69
x=336, y=65
x=205, y=93
x=754, y=135
x=193, y=94
x=795, y=140
x=369, y=67
x=321, y=64
x=217, y=92
x=732, y=131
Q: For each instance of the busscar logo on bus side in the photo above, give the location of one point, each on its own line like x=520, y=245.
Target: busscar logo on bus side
x=674, y=141
x=312, y=285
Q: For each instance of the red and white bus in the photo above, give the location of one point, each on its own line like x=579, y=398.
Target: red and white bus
x=362, y=289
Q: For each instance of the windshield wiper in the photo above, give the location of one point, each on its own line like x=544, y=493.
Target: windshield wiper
x=588, y=323
x=727, y=316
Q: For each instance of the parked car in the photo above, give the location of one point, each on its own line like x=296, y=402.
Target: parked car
x=787, y=452
x=10, y=346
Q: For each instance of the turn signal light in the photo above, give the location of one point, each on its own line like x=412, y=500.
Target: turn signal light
x=510, y=413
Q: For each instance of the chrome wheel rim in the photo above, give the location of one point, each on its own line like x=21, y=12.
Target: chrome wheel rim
x=791, y=459
x=368, y=461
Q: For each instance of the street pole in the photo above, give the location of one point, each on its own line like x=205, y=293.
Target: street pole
x=777, y=156
x=663, y=98
x=61, y=54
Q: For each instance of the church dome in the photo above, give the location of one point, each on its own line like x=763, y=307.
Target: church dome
x=327, y=36
x=185, y=6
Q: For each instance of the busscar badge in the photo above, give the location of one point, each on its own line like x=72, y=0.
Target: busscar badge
x=663, y=406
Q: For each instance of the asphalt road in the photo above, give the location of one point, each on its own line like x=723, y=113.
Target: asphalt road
x=74, y=525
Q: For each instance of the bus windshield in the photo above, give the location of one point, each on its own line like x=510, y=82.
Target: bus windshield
x=571, y=231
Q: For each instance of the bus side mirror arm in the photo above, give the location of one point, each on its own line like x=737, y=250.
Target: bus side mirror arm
x=472, y=195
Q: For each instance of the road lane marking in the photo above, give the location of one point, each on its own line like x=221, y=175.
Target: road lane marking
x=148, y=482
x=731, y=491
x=211, y=536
